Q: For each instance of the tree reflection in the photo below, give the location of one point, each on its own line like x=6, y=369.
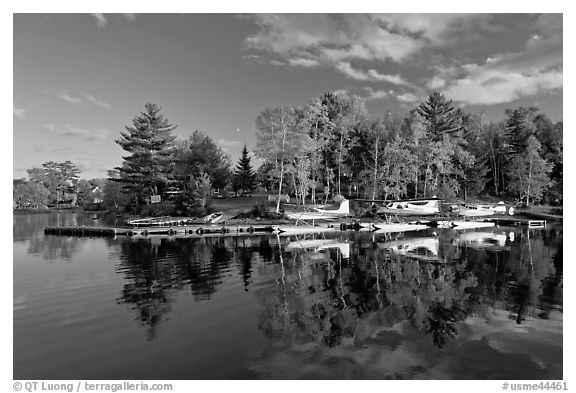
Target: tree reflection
x=156, y=269
x=332, y=301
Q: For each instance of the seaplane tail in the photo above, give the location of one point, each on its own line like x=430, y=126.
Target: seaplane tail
x=343, y=210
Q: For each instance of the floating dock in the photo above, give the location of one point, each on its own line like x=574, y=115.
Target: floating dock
x=201, y=230
x=519, y=222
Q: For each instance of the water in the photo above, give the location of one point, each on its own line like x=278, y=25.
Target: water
x=484, y=304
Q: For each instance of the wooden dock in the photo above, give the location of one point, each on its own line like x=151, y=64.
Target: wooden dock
x=200, y=230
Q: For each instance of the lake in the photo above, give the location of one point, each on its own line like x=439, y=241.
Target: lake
x=434, y=304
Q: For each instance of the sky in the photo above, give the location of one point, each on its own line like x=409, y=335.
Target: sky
x=78, y=79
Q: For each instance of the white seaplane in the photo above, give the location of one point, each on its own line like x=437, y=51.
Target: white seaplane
x=476, y=210
x=321, y=214
x=406, y=207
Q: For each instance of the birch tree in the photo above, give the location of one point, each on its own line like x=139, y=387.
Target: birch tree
x=275, y=140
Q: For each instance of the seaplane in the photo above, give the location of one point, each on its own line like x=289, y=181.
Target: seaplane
x=477, y=210
x=406, y=207
x=321, y=213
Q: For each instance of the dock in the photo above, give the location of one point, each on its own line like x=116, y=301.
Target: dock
x=182, y=229
x=519, y=222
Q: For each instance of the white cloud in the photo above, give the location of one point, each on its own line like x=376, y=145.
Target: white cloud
x=332, y=38
x=394, y=79
x=96, y=101
x=83, y=133
x=83, y=99
x=407, y=97
x=19, y=112
x=495, y=87
x=303, y=62
x=100, y=19
x=68, y=98
x=505, y=77
x=348, y=70
x=377, y=94
x=371, y=75
x=436, y=83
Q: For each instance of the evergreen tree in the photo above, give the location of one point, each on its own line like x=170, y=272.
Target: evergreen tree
x=149, y=140
x=244, y=175
x=440, y=116
x=520, y=124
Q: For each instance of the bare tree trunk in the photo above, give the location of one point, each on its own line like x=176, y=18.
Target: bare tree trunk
x=340, y=162
x=295, y=187
x=280, y=185
x=529, y=184
x=375, y=185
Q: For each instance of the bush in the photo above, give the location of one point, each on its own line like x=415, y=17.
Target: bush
x=166, y=208
x=260, y=210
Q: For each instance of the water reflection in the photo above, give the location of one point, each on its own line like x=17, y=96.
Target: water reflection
x=343, y=301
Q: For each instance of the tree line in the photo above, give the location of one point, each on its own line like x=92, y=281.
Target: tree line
x=329, y=146
x=332, y=144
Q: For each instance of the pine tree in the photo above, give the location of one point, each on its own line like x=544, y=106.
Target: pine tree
x=147, y=170
x=441, y=117
x=244, y=175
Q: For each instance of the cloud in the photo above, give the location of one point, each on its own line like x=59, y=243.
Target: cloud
x=329, y=37
x=96, y=101
x=19, y=112
x=407, y=97
x=349, y=71
x=436, y=83
x=77, y=132
x=68, y=98
x=505, y=77
x=100, y=19
x=83, y=99
x=394, y=79
x=495, y=86
x=371, y=75
x=377, y=94
x=303, y=62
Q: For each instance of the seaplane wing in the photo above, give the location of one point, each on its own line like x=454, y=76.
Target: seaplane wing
x=322, y=214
